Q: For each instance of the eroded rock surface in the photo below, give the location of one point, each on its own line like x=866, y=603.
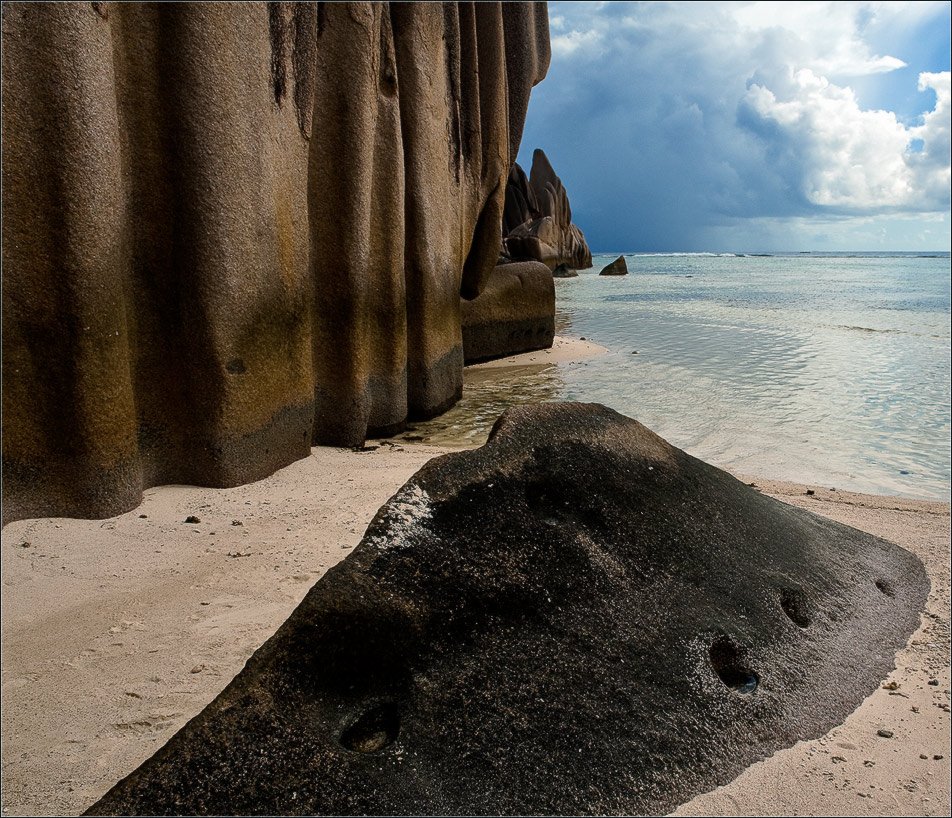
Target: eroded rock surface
x=575, y=618
x=232, y=230
x=537, y=220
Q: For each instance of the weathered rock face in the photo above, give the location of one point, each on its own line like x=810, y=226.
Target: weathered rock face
x=575, y=618
x=232, y=230
x=619, y=267
x=514, y=313
x=537, y=220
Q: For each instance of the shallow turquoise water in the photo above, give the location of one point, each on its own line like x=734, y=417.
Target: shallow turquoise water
x=830, y=369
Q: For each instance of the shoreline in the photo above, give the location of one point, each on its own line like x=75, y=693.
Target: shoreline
x=116, y=632
x=563, y=350
x=572, y=351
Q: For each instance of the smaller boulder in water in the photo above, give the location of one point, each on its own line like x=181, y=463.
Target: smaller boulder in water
x=564, y=271
x=619, y=267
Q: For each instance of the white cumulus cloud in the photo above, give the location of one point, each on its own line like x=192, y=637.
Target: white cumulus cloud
x=931, y=165
x=854, y=158
x=569, y=43
x=825, y=37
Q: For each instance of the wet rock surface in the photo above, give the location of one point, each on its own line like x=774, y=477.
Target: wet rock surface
x=575, y=618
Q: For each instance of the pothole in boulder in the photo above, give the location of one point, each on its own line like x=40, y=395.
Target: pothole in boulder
x=886, y=587
x=543, y=505
x=728, y=664
x=373, y=730
x=794, y=605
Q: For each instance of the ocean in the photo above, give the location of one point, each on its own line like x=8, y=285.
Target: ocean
x=830, y=369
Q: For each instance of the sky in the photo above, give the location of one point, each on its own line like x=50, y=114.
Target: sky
x=746, y=127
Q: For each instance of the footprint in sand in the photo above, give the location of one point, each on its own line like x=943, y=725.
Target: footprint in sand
x=154, y=723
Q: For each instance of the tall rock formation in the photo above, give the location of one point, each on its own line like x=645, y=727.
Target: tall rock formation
x=537, y=219
x=234, y=230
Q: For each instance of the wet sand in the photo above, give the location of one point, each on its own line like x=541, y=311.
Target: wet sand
x=116, y=632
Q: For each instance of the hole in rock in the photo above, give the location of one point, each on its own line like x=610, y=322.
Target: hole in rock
x=373, y=730
x=236, y=366
x=885, y=587
x=795, y=606
x=545, y=507
x=728, y=664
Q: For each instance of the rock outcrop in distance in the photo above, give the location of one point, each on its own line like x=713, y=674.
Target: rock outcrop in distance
x=231, y=231
x=619, y=267
x=576, y=618
x=537, y=221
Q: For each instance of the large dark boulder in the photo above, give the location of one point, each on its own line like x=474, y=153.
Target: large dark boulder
x=515, y=313
x=575, y=618
x=619, y=267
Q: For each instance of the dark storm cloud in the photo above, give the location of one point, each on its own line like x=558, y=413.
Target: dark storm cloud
x=686, y=126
